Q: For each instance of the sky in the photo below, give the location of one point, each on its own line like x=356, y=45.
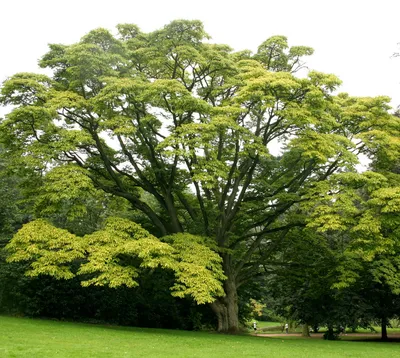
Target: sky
x=353, y=39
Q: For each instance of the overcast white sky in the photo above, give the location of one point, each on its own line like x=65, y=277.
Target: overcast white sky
x=353, y=39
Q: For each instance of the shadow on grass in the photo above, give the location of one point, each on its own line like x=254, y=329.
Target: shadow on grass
x=371, y=339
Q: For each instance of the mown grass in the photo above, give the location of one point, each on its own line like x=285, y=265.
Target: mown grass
x=20, y=337
x=263, y=324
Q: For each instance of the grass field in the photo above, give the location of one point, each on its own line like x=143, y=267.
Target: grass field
x=20, y=337
x=263, y=324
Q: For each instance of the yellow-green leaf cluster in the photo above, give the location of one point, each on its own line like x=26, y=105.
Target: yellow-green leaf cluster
x=116, y=255
x=49, y=250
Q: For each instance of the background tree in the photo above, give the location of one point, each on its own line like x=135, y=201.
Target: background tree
x=306, y=282
x=13, y=210
x=363, y=210
x=182, y=130
x=302, y=278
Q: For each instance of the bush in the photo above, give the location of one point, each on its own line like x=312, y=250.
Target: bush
x=149, y=305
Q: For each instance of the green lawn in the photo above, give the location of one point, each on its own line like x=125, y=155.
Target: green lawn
x=41, y=338
x=263, y=324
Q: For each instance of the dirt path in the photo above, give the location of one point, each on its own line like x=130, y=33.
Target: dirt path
x=319, y=335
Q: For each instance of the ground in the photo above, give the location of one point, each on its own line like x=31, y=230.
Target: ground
x=34, y=338
x=347, y=336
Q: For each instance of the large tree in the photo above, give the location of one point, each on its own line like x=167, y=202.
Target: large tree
x=199, y=138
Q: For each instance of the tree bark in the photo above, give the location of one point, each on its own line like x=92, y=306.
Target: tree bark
x=221, y=312
x=384, y=336
x=226, y=309
x=306, y=330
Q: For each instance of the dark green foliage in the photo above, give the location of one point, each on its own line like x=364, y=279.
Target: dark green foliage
x=301, y=282
x=307, y=284
x=13, y=211
x=149, y=305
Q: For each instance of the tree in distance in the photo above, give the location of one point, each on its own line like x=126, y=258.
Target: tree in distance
x=217, y=149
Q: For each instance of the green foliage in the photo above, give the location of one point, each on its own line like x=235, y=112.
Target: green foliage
x=148, y=305
x=116, y=255
x=302, y=280
x=274, y=55
x=49, y=249
x=193, y=263
x=12, y=211
x=365, y=206
x=61, y=185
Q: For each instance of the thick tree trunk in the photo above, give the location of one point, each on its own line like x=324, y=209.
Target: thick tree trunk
x=306, y=330
x=222, y=315
x=330, y=334
x=226, y=309
x=384, y=335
